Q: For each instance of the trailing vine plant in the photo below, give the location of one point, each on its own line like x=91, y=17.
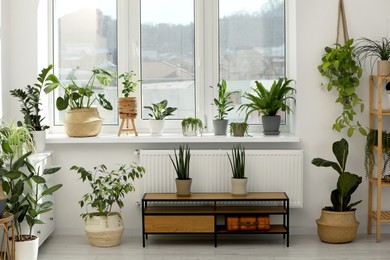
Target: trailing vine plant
x=371, y=142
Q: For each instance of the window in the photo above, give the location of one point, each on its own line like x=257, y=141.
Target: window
x=177, y=48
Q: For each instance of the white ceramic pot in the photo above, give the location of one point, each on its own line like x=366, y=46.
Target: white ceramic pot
x=239, y=187
x=39, y=140
x=156, y=126
x=27, y=250
x=104, y=231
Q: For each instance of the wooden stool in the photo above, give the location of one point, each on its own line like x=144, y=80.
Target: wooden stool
x=8, y=242
x=127, y=129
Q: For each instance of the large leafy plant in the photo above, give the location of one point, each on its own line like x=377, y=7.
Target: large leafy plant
x=76, y=96
x=108, y=187
x=237, y=162
x=160, y=110
x=223, y=102
x=269, y=102
x=182, y=162
x=340, y=67
x=347, y=182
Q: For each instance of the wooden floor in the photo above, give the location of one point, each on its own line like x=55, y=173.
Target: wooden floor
x=270, y=247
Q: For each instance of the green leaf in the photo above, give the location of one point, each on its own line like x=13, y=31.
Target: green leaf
x=51, y=190
x=38, y=179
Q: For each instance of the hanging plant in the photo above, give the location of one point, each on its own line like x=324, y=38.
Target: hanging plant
x=339, y=65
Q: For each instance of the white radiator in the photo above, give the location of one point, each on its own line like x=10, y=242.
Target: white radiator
x=267, y=171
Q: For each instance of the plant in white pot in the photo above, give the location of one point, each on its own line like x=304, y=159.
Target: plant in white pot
x=237, y=164
x=30, y=99
x=337, y=223
x=82, y=119
x=191, y=126
x=375, y=51
x=182, y=168
x=103, y=225
x=224, y=104
x=158, y=112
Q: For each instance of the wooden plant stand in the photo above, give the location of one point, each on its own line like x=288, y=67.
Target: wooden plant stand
x=7, y=250
x=127, y=108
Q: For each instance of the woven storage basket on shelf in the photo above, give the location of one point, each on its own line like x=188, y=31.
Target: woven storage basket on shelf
x=83, y=122
x=337, y=227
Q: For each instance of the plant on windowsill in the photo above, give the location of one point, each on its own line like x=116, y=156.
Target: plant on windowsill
x=269, y=103
x=340, y=67
x=30, y=99
x=237, y=164
x=182, y=168
x=224, y=105
x=337, y=223
x=158, y=112
x=238, y=129
x=82, y=118
x=191, y=126
x=104, y=226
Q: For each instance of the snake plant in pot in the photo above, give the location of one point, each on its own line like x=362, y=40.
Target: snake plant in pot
x=237, y=164
x=337, y=223
x=182, y=168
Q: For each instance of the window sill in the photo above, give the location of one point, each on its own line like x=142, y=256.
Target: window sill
x=171, y=138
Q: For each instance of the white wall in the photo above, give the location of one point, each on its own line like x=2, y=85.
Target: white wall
x=316, y=110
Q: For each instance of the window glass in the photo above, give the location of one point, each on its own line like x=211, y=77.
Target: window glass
x=167, y=55
x=251, y=47
x=86, y=38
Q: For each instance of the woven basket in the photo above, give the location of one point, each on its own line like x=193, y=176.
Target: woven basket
x=84, y=122
x=337, y=227
x=127, y=107
x=104, y=232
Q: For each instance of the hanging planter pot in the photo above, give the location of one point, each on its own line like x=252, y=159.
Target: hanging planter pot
x=83, y=122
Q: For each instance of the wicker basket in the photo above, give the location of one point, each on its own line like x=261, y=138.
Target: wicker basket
x=104, y=232
x=84, y=122
x=337, y=227
x=127, y=107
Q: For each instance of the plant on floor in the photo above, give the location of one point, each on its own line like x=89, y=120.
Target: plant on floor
x=237, y=162
x=160, y=110
x=191, y=124
x=182, y=162
x=223, y=102
x=128, y=83
x=339, y=65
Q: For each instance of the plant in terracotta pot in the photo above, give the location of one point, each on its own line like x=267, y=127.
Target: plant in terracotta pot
x=182, y=168
x=237, y=164
x=337, y=223
x=340, y=67
x=82, y=118
x=158, y=112
x=224, y=105
x=103, y=225
x=238, y=129
x=269, y=103
x=30, y=99
x=375, y=51
x=192, y=126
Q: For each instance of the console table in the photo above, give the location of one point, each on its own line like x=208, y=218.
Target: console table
x=206, y=213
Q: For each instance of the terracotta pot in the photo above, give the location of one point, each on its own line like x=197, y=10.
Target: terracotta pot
x=83, y=122
x=183, y=187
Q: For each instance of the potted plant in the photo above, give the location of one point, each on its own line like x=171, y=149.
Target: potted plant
x=340, y=67
x=158, y=112
x=127, y=106
x=337, y=223
x=182, y=168
x=237, y=164
x=375, y=50
x=224, y=105
x=30, y=99
x=103, y=225
x=82, y=118
x=25, y=189
x=269, y=103
x=191, y=126
x=371, y=143
x=238, y=129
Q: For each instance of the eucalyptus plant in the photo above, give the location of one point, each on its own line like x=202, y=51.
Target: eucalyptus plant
x=128, y=82
x=223, y=102
x=340, y=67
x=237, y=162
x=160, y=110
x=182, y=162
x=108, y=187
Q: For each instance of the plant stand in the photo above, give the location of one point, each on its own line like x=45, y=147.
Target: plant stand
x=127, y=108
x=126, y=129
x=8, y=239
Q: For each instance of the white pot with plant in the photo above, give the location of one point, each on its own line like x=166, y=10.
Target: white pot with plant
x=104, y=226
x=158, y=112
x=375, y=50
x=191, y=126
x=82, y=119
x=224, y=105
x=182, y=168
x=237, y=164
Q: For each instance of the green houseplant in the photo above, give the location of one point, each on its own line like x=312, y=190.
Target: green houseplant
x=237, y=164
x=191, y=126
x=269, y=103
x=342, y=207
x=340, y=67
x=82, y=118
x=103, y=226
x=158, y=112
x=375, y=50
x=239, y=129
x=182, y=169
x=371, y=143
x=224, y=105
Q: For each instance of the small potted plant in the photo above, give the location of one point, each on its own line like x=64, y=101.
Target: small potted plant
x=182, y=168
x=103, y=225
x=375, y=50
x=337, y=223
x=269, y=103
x=224, y=105
x=237, y=164
x=371, y=143
x=30, y=99
x=191, y=126
x=82, y=119
x=238, y=129
x=158, y=112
